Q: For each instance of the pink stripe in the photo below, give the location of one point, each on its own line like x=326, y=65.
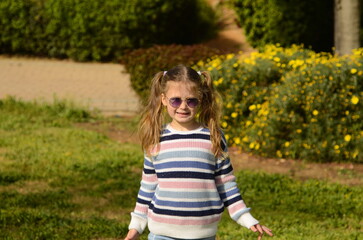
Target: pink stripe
x=141, y=208
x=149, y=178
x=188, y=144
x=223, y=180
x=236, y=207
x=191, y=185
x=183, y=221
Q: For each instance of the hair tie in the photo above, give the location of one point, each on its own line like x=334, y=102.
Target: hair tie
x=164, y=73
x=199, y=72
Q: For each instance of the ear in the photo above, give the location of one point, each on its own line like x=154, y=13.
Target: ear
x=164, y=100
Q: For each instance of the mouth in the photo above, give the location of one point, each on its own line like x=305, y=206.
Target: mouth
x=183, y=114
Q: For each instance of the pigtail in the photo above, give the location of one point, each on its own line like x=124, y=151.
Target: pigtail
x=211, y=112
x=152, y=117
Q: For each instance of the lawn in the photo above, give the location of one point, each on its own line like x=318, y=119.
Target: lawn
x=61, y=181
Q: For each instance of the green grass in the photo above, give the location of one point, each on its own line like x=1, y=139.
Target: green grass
x=59, y=181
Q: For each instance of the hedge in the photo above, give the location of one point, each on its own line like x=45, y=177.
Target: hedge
x=292, y=103
x=100, y=30
x=287, y=22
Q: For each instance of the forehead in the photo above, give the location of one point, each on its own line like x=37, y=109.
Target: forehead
x=181, y=89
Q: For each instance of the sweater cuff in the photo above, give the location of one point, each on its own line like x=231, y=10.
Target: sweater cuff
x=138, y=223
x=247, y=220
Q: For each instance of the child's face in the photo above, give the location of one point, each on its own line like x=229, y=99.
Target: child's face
x=183, y=116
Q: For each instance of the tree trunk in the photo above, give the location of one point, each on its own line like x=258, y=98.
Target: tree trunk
x=346, y=28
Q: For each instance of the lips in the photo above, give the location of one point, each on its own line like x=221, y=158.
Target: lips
x=183, y=114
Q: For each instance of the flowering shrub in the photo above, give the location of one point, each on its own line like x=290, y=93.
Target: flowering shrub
x=292, y=103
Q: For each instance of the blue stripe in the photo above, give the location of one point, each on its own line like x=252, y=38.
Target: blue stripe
x=224, y=171
x=148, y=163
x=185, y=136
x=194, y=213
x=227, y=185
x=146, y=194
x=149, y=171
x=184, y=174
x=185, y=164
x=185, y=154
x=229, y=193
x=233, y=200
x=189, y=204
x=223, y=163
x=238, y=214
x=188, y=195
x=205, y=130
x=142, y=201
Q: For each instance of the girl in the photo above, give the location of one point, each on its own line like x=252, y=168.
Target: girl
x=187, y=179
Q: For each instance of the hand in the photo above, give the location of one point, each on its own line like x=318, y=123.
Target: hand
x=132, y=235
x=261, y=230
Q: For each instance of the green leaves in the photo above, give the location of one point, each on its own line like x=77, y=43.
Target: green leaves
x=98, y=30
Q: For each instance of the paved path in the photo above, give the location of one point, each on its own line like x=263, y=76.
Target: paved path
x=104, y=86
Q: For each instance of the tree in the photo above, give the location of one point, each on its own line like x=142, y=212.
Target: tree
x=346, y=28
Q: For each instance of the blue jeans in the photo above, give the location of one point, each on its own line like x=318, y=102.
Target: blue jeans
x=157, y=237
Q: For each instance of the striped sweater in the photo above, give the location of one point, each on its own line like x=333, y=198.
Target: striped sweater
x=184, y=188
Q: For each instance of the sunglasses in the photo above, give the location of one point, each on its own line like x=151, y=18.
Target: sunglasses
x=175, y=102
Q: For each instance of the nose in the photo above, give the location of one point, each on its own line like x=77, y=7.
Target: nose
x=183, y=105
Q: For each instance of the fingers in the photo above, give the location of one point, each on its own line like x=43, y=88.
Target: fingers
x=267, y=230
x=261, y=230
x=132, y=235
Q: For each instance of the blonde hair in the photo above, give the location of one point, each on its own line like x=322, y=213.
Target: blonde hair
x=153, y=116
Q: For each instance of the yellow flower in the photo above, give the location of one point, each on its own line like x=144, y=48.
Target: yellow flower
x=237, y=140
x=353, y=71
x=252, y=107
x=299, y=131
x=347, y=138
x=287, y=144
x=224, y=124
x=336, y=147
x=248, y=123
x=278, y=153
x=276, y=59
x=252, y=145
x=315, y=112
x=257, y=146
x=245, y=139
x=234, y=114
x=354, y=100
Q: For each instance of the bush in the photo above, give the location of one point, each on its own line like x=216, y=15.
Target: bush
x=287, y=22
x=293, y=103
x=100, y=30
x=143, y=64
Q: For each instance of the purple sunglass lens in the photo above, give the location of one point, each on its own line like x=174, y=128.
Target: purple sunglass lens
x=192, y=102
x=175, y=102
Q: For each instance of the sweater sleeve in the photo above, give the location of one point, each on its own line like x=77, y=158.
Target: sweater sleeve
x=230, y=193
x=148, y=185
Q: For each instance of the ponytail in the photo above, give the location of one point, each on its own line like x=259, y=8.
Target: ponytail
x=211, y=112
x=152, y=117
